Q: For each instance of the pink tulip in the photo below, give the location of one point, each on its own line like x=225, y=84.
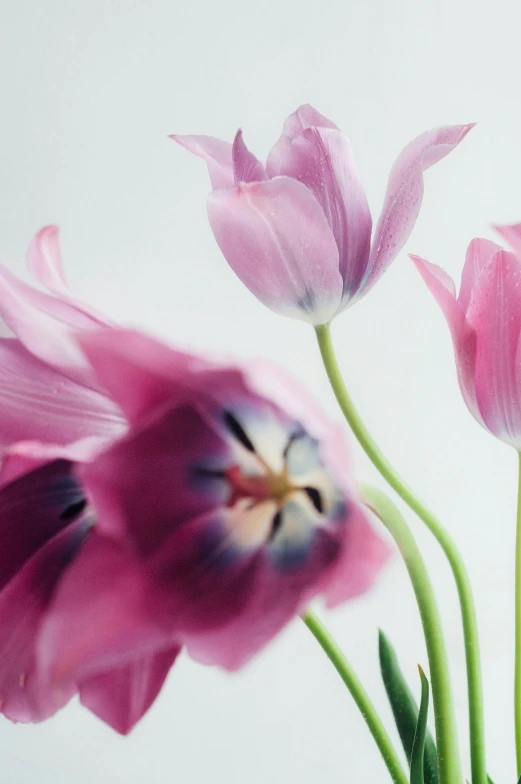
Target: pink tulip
x=297, y=231
x=228, y=506
x=485, y=325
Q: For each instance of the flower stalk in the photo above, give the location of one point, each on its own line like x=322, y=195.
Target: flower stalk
x=466, y=600
x=517, y=676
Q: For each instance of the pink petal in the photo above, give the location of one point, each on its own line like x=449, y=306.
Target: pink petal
x=364, y=554
x=512, y=234
x=23, y=606
x=495, y=315
x=44, y=324
x=463, y=336
x=479, y=254
x=45, y=261
x=277, y=240
x=33, y=509
x=304, y=117
x=217, y=154
x=140, y=372
x=405, y=193
x=120, y=697
x=322, y=159
x=39, y=404
x=103, y=616
x=246, y=167
x=25, y=456
x=158, y=476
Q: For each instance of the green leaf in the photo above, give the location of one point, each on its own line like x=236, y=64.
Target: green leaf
x=418, y=744
x=405, y=709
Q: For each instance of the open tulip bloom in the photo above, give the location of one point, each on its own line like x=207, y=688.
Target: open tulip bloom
x=157, y=503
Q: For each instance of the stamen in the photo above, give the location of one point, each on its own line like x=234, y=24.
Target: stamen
x=315, y=497
x=275, y=524
x=237, y=430
x=73, y=511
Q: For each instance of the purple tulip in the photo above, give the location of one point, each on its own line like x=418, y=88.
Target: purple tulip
x=297, y=231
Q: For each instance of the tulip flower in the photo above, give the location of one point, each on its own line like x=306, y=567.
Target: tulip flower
x=297, y=231
x=485, y=325
x=229, y=505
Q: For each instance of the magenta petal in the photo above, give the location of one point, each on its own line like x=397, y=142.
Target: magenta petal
x=39, y=404
x=24, y=602
x=216, y=153
x=495, y=315
x=363, y=556
x=277, y=240
x=479, y=254
x=322, y=159
x=157, y=476
x=512, y=234
x=103, y=616
x=405, y=193
x=25, y=456
x=45, y=261
x=120, y=697
x=304, y=117
x=246, y=167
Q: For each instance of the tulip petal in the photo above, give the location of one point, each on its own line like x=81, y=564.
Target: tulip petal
x=38, y=403
x=33, y=509
x=405, y=193
x=162, y=474
x=45, y=261
x=304, y=117
x=25, y=456
x=120, y=697
x=246, y=167
x=277, y=240
x=363, y=556
x=512, y=234
x=23, y=604
x=216, y=153
x=479, y=254
x=103, y=616
x=322, y=159
x=43, y=324
x=496, y=318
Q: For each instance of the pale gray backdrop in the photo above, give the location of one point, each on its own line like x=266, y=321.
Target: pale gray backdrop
x=89, y=92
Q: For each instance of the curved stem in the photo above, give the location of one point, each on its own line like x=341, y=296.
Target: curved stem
x=517, y=677
x=359, y=695
x=448, y=756
x=466, y=600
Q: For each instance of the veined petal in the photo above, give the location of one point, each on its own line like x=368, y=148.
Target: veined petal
x=512, y=234
x=45, y=261
x=495, y=316
x=246, y=167
x=463, y=336
x=24, y=602
x=322, y=159
x=479, y=254
x=121, y=696
x=39, y=404
x=102, y=617
x=304, y=117
x=405, y=193
x=25, y=456
x=216, y=153
x=277, y=240
x=44, y=323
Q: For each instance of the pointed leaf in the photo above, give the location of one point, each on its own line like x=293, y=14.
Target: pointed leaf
x=405, y=709
x=418, y=746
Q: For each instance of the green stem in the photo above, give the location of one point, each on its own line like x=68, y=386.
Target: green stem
x=466, y=600
x=448, y=756
x=517, y=677
x=359, y=695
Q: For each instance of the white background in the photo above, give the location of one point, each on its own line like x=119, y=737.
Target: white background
x=89, y=92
